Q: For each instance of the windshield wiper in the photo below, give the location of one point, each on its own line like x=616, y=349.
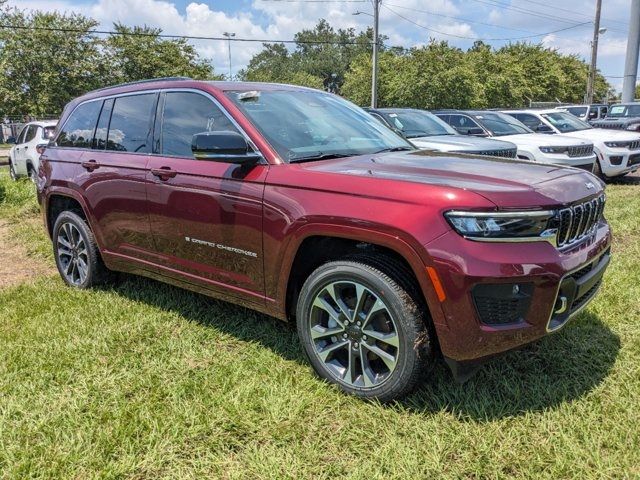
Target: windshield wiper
x=319, y=156
x=394, y=149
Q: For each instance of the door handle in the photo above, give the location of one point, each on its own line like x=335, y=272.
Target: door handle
x=90, y=165
x=164, y=173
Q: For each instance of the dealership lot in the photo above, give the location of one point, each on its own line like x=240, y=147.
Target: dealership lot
x=146, y=380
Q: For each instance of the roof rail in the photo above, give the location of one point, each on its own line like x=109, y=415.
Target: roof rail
x=137, y=82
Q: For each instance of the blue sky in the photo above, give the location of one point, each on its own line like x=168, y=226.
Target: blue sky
x=458, y=21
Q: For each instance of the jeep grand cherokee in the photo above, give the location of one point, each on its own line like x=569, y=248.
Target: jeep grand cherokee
x=298, y=204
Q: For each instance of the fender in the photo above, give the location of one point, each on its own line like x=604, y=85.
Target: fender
x=75, y=195
x=409, y=252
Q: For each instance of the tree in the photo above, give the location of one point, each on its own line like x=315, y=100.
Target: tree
x=45, y=69
x=321, y=58
x=139, y=53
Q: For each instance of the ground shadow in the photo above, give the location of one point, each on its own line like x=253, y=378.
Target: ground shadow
x=626, y=180
x=557, y=369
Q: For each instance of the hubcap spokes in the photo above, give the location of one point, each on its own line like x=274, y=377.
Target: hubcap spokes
x=354, y=334
x=72, y=254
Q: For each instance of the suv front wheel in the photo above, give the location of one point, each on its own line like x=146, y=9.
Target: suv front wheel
x=363, y=331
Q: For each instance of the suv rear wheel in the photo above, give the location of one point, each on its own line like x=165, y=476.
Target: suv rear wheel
x=76, y=253
x=362, y=331
x=12, y=171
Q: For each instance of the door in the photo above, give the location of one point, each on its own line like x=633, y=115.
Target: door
x=206, y=216
x=20, y=152
x=110, y=141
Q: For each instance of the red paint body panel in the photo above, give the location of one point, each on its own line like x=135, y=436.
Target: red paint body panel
x=233, y=232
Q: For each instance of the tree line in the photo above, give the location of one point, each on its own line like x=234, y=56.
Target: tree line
x=49, y=58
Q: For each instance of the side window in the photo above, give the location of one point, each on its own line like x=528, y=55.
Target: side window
x=100, y=138
x=22, y=134
x=185, y=114
x=77, y=132
x=530, y=121
x=131, y=123
x=461, y=121
x=32, y=130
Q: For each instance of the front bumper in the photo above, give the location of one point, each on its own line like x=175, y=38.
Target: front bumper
x=557, y=285
x=584, y=163
x=620, y=161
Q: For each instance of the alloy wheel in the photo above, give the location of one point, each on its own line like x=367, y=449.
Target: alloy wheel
x=73, y=254
x=354, y=334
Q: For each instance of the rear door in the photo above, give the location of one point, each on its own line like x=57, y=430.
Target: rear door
x=206, y=216
x=108, y=142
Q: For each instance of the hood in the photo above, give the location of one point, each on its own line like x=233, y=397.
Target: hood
x=461, y=143
x=508, y=183
x=603, y=135
x=544, y=140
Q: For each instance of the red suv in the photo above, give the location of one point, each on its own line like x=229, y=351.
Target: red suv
x=300, y=205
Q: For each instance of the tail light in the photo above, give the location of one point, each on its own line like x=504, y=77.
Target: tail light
x=40, y=149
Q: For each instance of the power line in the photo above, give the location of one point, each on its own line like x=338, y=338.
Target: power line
x=484, y=39
x=459, y=18
x=554, y=7
x=188, y=37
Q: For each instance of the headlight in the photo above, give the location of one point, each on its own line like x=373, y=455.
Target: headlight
x=553, y=149
x=633, y=127
x=502, y=225
x=616, y=144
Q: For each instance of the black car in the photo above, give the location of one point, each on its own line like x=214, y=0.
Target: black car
x=622, y=116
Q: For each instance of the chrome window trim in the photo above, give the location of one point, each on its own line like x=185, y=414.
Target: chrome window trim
x=156, y=90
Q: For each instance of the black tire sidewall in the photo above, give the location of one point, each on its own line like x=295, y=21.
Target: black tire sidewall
x=401, y=307
x=87, y=236
x=12, y=171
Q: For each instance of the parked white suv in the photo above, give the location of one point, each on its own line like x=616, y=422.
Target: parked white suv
x=24, y=156
x=536, y=147
x=617, y=151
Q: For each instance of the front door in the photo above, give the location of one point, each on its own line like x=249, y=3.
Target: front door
x=206, y=216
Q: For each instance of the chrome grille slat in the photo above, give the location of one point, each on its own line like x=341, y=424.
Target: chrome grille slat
x=579, y=220
x=580, y=151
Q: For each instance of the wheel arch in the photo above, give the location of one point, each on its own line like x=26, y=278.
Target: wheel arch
x=321, y=244
x=59, y=201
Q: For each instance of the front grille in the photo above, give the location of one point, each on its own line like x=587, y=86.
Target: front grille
x=635, y=145
x=634, y=159
x=506, y=153
x=581, y=151
x=502, y=304
x=579, y=220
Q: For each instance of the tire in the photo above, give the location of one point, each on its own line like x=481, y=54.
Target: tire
x=378, y=351
x=12, y=171
x=76, y=253
x=33, y=174
x=597, y=171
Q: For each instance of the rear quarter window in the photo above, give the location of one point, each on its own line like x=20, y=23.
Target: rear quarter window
x=77, y=131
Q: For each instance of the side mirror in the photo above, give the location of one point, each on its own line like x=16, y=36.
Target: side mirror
x=223, y=146
x=11, y=140
x=542, y=128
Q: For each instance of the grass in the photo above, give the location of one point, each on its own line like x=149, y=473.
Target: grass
x=143, y=380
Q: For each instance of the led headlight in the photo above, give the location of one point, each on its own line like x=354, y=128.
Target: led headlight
x=553, y=149
x=502, y=225
x=634, y=127
x=616, y=144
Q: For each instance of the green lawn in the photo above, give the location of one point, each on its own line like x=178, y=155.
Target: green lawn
x=144, y=380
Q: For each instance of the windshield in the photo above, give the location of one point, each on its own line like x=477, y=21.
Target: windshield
x=565, y=122
x=624, y=111
x=415, y=123
x=311, y=125
x=500, y=124
x=578, y=111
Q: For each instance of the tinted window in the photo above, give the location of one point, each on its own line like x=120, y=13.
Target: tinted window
x=530, y=121
x=131, y=123
x=22, y=133
x=577, y=111
x=100, y=137
x=415, y=123
x=565, y=122
x=32, y=130
x=500, y=124
x=185, y=114
x=78, y=130
x=460, y=121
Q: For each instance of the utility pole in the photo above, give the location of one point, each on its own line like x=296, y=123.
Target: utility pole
x=229, y=35
x=374, y=69
x=594, y=52
x=631, y=62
